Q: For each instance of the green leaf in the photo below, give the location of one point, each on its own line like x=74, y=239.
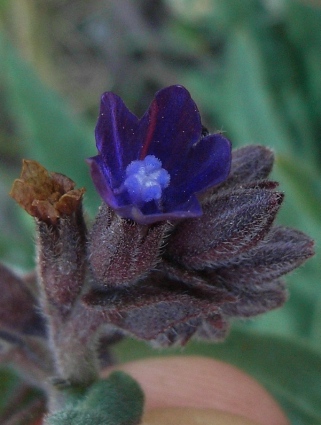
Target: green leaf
x=258, y=90
x=117, y=400
x=9, y=383
x=303, y=182
x=252, y=112
x=290, y=370
x=241, y=97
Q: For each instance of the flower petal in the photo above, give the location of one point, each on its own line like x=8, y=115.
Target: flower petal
x=207, y=164
x=149, y=213
x=117, y=136
x=101, y=177
x=170, y=126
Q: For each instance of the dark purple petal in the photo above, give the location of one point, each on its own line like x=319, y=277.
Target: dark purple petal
x=170, y=127
x=117, y=136
x=101, y=177
x=207, y=164
x=149, y=212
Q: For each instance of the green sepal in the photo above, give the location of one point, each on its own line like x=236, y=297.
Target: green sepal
x=117, y=400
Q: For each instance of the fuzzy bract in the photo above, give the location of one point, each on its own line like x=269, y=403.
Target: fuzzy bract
x=151, y=169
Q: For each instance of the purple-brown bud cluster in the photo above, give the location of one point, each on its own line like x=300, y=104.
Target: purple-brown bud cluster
x=183, y=243
x=227, y=263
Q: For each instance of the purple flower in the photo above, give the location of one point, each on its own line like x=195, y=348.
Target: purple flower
x=151, y=169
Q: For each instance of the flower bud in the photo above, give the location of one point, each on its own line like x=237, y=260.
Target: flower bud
x=122, y=251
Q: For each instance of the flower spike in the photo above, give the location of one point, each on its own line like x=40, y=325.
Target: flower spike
x=160, y=263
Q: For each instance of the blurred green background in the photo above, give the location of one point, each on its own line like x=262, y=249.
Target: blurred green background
x=254, y=69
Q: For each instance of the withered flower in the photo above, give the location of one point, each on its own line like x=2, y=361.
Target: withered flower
x=44, y=195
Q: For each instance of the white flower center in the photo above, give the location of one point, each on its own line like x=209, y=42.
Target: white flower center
x=146, y=179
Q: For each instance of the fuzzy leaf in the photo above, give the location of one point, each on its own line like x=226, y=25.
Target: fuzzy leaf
x=232, y=223
x=117, y=400
x=214, y=328
x=284, y=250
x=150, y=308
x=250, y=304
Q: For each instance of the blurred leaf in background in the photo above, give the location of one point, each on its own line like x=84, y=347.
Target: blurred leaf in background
x=254, y=68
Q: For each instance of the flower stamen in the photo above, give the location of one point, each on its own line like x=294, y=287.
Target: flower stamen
x=146, y=179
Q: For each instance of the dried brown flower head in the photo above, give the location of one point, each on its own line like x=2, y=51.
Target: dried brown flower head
x=44, y=195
